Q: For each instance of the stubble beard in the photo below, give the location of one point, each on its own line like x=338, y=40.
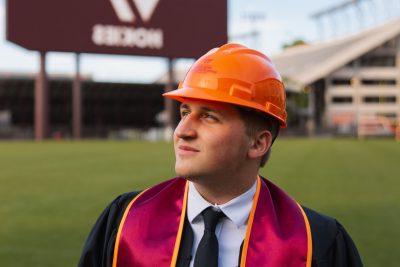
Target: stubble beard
x=206, y=178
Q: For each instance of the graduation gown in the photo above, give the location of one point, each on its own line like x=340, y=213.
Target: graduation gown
x=332, y=246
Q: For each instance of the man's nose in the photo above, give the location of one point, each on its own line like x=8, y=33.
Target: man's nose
x=186, y=127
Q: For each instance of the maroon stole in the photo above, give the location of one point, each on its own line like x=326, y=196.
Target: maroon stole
x=278, y=233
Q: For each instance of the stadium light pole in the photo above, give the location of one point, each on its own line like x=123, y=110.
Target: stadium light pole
x=77, y=101
x=41, y=101
x=169, y=105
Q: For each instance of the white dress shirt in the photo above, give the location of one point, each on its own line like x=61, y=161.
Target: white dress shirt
x=230, y=230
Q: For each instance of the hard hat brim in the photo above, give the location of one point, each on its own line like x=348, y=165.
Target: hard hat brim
x=183, y=94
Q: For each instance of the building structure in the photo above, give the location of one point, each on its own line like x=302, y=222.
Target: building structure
x=348, y=79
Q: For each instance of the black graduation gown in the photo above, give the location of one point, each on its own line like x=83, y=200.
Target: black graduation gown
x=332, y=246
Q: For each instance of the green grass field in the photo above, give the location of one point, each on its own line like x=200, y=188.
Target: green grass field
x=51, y=193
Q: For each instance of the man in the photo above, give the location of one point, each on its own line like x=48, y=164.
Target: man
x=219, y=211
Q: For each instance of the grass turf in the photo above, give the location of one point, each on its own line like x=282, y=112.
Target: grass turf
x=51, y=193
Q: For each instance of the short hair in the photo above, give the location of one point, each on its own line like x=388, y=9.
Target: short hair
x=255, y=122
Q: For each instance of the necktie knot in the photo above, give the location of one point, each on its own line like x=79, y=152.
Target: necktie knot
x=211, y=218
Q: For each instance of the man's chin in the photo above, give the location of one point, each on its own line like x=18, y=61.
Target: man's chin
x=187, y=173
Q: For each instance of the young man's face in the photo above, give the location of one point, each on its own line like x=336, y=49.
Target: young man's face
x=209, y=140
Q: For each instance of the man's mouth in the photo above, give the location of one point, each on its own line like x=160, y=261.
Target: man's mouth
x=188, y=148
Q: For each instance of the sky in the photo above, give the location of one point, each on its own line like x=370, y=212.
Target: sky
x=279, y=22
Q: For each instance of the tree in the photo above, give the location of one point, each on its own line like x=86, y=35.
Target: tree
x=294, y=43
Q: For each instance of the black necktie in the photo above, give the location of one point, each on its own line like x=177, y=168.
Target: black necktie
x=207, y=251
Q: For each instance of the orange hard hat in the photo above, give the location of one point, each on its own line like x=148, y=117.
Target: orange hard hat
x=237, y=75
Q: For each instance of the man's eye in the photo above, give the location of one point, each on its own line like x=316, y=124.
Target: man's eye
x=209, y=116
x=184, y=113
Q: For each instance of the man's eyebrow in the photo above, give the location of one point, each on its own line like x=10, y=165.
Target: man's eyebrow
x=210, y=110
x=185, y=106
x=203, y=108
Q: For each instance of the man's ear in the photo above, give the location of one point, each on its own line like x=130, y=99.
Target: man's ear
x=260, y=144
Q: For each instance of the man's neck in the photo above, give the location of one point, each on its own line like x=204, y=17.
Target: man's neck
x=220, y=191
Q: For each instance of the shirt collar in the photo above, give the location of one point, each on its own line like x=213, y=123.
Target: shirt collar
x=237, y=209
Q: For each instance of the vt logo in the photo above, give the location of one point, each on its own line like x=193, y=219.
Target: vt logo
x=125, y=12
x=141, y=37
